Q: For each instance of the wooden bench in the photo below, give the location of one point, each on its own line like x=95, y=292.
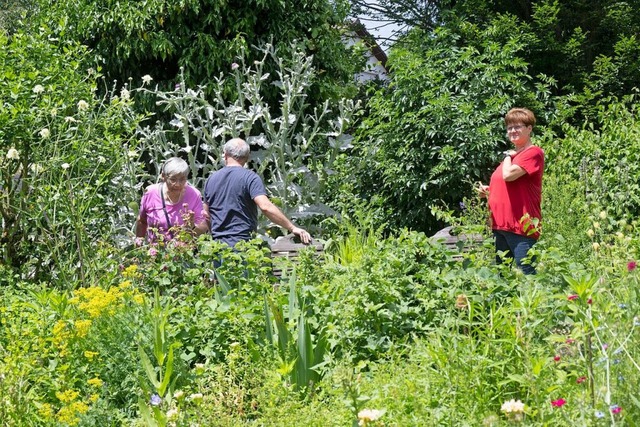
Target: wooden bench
x=457, y=243
x=289, y=246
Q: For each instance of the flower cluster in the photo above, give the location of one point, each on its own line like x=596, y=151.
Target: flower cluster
x=513, y=409
x=368, y=415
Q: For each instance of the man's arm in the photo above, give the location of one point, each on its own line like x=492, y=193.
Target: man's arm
x=272, y=212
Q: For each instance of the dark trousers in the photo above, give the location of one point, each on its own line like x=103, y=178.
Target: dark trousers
x=516, y=246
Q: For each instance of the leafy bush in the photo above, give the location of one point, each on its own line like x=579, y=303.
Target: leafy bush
x=436, y=129
x=65, y=158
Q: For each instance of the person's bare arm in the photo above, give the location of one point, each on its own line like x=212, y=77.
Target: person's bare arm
x=141, y=227
x=272, y=212
x=511, y=172
x=204, y=225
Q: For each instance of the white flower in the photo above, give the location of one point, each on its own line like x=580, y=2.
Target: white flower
x=234, y=66
x=172, y=414
x=38, y=89
x=65, y=166
x=83, y=105
x=178, y=394
x=44, y=133
x=596, y=246
x=132, y=154
x=146, y=79
x=36, y=168
x=596, y=225
x=590, y=233
x=13, y=154
x=367, y=415
x=512, y=406
x=603, y=214
x=196, y=397
x=70, y=119
x=54, y=112
x=124, y=94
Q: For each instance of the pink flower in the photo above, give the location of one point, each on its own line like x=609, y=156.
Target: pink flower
x=572, y=297
x=615, y=409
x=153, y=252
x=570, y=341
x=558, y=403
x=234, y=66
x=556, y=358
x=631, y=265
x=581, y=380
x=589, y=301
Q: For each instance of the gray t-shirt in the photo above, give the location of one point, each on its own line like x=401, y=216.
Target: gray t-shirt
x=229, y=193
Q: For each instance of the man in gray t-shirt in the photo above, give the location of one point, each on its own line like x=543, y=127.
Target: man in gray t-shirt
x=233, y=195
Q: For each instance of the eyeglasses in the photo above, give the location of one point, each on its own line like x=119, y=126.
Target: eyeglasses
x=516, y=128
x=174, y=180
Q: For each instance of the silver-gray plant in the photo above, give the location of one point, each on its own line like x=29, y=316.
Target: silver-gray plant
x=293, y=146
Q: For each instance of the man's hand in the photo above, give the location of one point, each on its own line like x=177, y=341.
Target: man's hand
x=304, y=236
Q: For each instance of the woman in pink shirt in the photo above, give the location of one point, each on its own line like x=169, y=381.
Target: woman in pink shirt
x=515, y=191
x=170, y=204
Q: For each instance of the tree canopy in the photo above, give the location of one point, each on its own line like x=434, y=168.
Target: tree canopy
x=159, y=37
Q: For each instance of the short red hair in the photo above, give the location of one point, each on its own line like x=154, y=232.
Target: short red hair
x=520, y=115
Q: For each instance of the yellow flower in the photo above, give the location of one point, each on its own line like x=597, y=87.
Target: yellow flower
x=69, y=414
x=45, y=410
x=90, y=354
x=131, y=272
x=96, y=382
x=67, y=396
x=82, y=327
x=96, y=301
x=94, y=397
x=125, y=285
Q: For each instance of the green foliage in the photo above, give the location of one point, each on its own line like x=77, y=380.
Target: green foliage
x=65, y=158
x=581, y=44
x=436, y=129
x=300, y=353
x=202, y=37
x=601, y=159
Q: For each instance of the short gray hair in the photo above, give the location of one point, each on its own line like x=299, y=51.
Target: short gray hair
x=175, y=166
x=238, y=149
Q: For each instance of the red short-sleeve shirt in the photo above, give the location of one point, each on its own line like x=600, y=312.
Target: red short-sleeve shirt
x=514, y=204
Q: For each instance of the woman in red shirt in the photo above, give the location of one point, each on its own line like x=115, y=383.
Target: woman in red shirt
x=515, y=192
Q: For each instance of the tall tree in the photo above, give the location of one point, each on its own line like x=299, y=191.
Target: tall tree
x=575, y=41
x=203, y=37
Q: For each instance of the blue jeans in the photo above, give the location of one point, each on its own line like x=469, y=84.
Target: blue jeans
x=517, y=247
